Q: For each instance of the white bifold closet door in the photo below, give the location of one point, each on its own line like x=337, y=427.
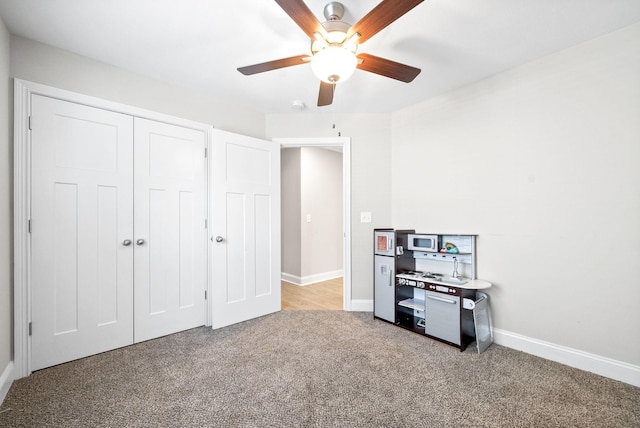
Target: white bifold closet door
x=118, y=243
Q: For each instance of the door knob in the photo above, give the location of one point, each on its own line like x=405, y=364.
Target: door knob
x=140, y=242
x=126, y=242
x=219, y=238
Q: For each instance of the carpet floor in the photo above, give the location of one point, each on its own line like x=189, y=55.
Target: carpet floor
x=315, y=369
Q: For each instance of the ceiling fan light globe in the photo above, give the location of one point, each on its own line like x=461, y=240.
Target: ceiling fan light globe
x=333, y=64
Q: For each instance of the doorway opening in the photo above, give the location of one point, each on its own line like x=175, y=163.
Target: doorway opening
x=332, y=277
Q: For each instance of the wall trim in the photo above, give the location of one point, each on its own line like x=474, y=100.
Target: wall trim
x=6, y=379
x=311, y=279
x=603, y=366
x=21, y=242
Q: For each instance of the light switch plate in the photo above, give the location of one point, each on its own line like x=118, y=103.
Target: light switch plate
x=365, y=216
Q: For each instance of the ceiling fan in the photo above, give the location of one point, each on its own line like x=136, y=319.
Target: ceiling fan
x=334, y=44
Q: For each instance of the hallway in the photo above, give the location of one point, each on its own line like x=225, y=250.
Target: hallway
x=325, y=295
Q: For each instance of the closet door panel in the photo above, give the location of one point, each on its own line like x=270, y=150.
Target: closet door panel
x=170, y=213
x=81, y=212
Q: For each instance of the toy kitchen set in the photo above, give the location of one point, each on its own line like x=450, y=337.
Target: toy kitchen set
x=427, y=283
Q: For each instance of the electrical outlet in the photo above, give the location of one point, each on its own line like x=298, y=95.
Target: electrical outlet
x=308, y=218
x=365, y=217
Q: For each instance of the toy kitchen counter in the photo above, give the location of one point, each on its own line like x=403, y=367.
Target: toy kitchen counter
x=421, y=279
x=412, y=290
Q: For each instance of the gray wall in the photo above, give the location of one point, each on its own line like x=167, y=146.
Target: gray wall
x=6, y=202
x=321, y=172
x=543, y=162
x=41, y=63
x=290, y=182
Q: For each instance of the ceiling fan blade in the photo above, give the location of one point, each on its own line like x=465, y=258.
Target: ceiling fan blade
x=381, y=16
x=325, y=97
x=302, y=15
x=386, y=67
x=274, y=65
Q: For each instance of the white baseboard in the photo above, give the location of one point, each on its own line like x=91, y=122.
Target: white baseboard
x=361, y=306
x=311, y=279
x=6, y=379
x=597, y=364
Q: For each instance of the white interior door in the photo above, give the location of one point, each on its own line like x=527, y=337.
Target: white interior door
x=170, y=231
x=245, y=241
x=81, y=217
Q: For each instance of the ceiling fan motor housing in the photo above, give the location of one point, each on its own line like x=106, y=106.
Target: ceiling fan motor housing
x=333, y=11
x=336, y=28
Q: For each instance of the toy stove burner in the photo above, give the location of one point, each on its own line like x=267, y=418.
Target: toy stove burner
x=431, y=275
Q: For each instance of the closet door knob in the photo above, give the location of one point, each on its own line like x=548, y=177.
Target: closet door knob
x=140, y=242
x=219, y=239
x=126, y=242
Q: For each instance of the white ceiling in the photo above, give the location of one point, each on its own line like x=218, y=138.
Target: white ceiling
x=200, y=43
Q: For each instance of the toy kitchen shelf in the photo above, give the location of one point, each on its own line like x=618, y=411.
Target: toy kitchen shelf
x=436, y=294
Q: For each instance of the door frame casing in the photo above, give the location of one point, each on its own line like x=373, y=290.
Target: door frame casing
x=345, y=144
x=23, y=90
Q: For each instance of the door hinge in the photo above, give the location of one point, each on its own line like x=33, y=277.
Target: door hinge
x=205, y=152
x=205, y=223
x=30, y=331
x=29, y=225
x=30, y=129
x=205, y=294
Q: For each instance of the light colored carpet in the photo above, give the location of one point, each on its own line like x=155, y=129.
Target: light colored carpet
x=315, y=369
